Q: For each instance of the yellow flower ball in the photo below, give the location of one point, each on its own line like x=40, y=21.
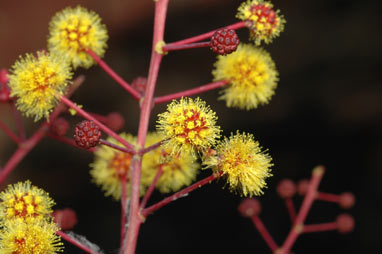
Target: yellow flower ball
x=241, y=161
x=24, y=201
x=188, y=125
x=263, y=21
x=178, y=170
x=252, y=75
x=26, y=238
x=110, y=166
x=73, y=31
x=36, y=81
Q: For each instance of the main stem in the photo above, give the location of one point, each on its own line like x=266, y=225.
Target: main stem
x=134, y=218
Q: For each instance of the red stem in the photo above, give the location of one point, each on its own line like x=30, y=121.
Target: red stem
x=291, y=209
x=114, y=75
x=193, y=91
x=17, y=117
x=296, y=230
x=264, y=233
x=116, y=147
x=150, y=190
x=68, y=141
x=123, y=210
x=147, y=211
x=134, y=218
x=172, y=47
x=10, y=133
x=328, y=197
x=73, y=241
x=87, y=116
x=320, y=227
x=150, y=148
x=207, y=35
x=99, y=117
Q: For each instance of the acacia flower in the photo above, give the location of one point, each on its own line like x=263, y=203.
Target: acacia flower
x=252, y=75
x=263, y=21
x=22, y=237
x=73, y=31
x=24, y=201
x=110, y=166
x=188, y=125
x=35, y=81
x=240, y=160
x=178, y=170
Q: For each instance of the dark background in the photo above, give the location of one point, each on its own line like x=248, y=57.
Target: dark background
x=326, y=111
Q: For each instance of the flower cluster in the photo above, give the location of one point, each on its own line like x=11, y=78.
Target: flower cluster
x=25, y=222
x=252, y=75
x=264, y=23
x=242, y=162
x=37, y=81
x=188, y=125
x=178, y=170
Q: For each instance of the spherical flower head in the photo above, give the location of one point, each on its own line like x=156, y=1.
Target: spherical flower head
x=24, y=201
x=110, y=166
x=252, y=75
x=36, y=81
x=263, y=21
x=178, y=170
x=188, y=125
x=240, y=159
x=73, y=31
x=20, y=237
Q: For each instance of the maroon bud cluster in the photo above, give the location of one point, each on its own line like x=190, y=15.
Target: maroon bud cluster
x=250, y=207
x=224, y=41
x=66, y=218
x=345, y=223
x=286, y=188
x=87, y=134
x=115, y=121
x=60, y=126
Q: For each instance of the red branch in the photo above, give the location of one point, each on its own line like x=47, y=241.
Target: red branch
x=76, y=243
x=291, y=209
x=147, y=211
x=205, y=36
x=193, y=91
x=114, y=75
x=296, y=230
x=150, y=190
x=9, y=133
x=328, y=197
x=264, y=233
x=320, y=227
x=173, y=47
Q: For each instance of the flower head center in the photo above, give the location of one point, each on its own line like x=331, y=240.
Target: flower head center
x=76, y=32
x=121, y=163
x=191, y=123
x=23, y=205
x=263, y=14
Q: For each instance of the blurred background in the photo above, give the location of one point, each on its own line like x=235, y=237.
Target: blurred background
x=327, y=110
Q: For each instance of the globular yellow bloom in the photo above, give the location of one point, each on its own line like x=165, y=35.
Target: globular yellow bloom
x=38, y=237
x=25, y=202
x=36, y=81
x=241, y=161
x=188, y=125
x=110, y=166
x=263, y=21
x=178, y=170
x=252, y=75
x=73, y=31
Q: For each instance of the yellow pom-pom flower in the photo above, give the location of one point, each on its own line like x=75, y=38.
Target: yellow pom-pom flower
x=36, y=81
x=73, y=31
x=252, y=75
x=178, y=170
x=241, y=161
x=38, y=237
x=110, y=166
x=188, y=125
x=24, y=201
x=263, y=21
